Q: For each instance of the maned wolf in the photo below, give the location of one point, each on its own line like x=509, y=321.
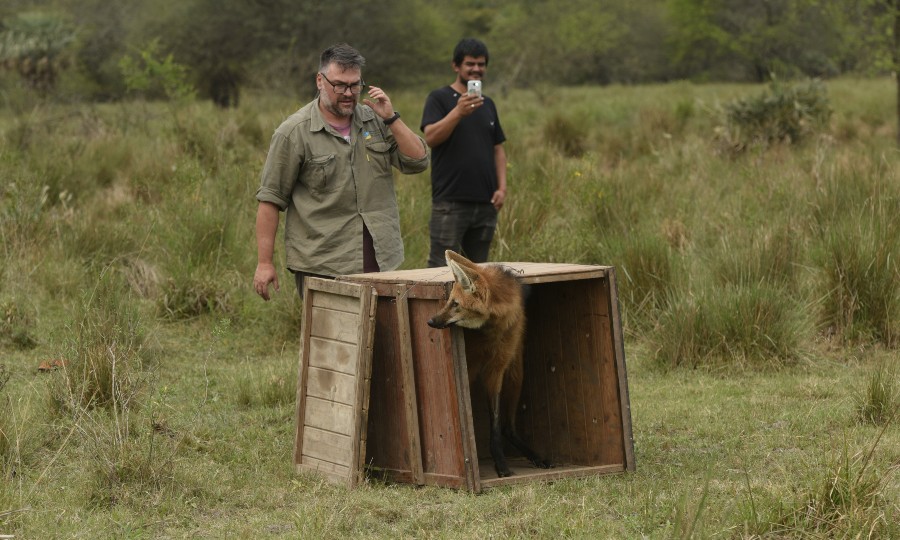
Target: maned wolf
x=489, y=299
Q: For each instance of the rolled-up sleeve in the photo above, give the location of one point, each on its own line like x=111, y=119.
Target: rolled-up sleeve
x=408, y=165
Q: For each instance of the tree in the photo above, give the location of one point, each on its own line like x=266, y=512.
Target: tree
x=35, y=44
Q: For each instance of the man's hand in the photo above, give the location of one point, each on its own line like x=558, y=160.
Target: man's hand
x=498, y=199
x=466, y=105
x=381, y=104
x=265, y=274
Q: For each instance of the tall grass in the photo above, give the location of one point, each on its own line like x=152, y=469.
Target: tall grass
x=105, y=355
x=128, y=250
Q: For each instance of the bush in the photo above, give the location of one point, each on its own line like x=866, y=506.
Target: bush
x=785, y=113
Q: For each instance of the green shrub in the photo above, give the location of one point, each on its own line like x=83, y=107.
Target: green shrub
x=785, y=113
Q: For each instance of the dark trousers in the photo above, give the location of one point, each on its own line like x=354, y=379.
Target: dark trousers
x=466, y=228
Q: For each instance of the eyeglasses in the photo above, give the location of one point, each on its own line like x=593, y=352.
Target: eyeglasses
x=341, y=88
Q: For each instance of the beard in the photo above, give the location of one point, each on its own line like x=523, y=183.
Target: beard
x=340, y=109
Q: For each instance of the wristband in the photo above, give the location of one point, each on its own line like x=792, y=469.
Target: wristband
x=392, y=119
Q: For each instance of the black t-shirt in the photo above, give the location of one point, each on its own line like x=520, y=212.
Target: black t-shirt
x=462, y=167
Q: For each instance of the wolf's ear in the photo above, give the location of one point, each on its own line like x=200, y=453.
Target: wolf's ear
x=451, y=255
x=466, y=277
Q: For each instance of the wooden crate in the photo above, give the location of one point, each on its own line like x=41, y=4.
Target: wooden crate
x=381, y=392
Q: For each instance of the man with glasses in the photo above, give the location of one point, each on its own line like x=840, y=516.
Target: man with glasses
x=468, y=169
x=329, y=169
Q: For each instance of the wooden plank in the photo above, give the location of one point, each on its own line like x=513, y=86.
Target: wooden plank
x=335, y=325
x=335, y=302
x=334, y=355
x=331, y=386
x=534, y=406
x=408, y=379
x=333, y=472
x=572, y=358
x=525, y=474
x=609, y=408
x=327, y=446
x=329, y=415
x=366, y=336
x=553, y=311
x=436, y=394
x=300, y=409
x=466, y=420
x=621, y=371
x=592, y=330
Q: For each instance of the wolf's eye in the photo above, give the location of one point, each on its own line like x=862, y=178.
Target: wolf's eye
x=454, y=304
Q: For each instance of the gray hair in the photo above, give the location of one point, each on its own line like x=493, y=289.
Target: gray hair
x=342, y=54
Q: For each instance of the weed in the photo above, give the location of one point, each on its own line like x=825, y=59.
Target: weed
x=847, y=500
x=858, y=256
x=880, y=401
x=104, y=353
x=5, y=419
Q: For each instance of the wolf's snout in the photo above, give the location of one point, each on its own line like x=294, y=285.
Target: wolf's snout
x=434, y=323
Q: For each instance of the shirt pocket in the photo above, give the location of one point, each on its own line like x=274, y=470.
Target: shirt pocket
x=318, y=174
x=379, y=153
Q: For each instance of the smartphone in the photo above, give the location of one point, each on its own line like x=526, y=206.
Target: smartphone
x=475, y=88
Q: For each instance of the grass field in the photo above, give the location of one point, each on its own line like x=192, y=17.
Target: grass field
x=759, y=290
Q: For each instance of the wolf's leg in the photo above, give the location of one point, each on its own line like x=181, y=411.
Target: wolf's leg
x=497, y=438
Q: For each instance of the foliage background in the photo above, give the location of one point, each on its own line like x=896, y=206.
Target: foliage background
x=273, y=44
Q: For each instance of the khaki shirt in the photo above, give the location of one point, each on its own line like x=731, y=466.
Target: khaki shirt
x=330, y=187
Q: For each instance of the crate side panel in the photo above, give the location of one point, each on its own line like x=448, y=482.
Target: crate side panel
x=335, y=356
x=387, y=444
x=570, y=410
